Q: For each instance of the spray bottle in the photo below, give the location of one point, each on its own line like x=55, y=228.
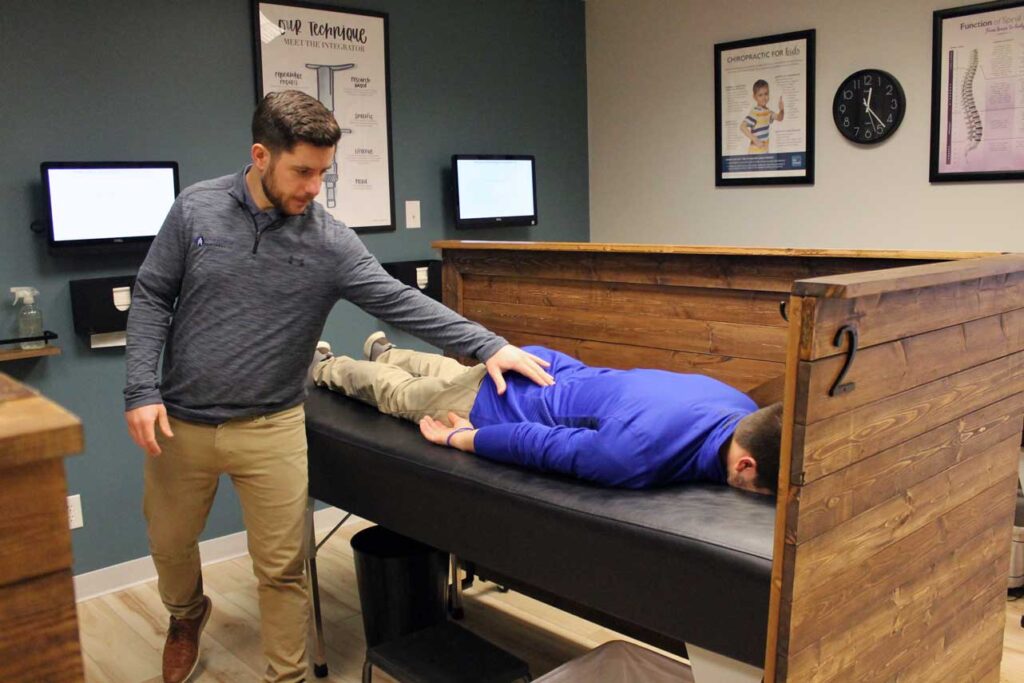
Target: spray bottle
x=30, y=318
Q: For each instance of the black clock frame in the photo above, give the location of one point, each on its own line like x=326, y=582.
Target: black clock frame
x=900, y=95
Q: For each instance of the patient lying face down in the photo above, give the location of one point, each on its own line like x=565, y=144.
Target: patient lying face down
x=625, y=428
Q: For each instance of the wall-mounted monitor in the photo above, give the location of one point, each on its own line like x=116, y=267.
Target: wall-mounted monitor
x=106, y=204
x=494, y=190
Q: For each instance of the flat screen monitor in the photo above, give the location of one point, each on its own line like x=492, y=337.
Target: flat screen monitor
x=494, y=190
x=107, y=203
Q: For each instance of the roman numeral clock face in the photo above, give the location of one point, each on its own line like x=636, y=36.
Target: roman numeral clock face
x=869, y=106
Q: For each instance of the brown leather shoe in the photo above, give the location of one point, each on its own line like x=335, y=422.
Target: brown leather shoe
x=181, y=650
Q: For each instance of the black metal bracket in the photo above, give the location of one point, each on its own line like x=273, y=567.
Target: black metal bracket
x=838, y=388
x=46, y=337
x=782, y=310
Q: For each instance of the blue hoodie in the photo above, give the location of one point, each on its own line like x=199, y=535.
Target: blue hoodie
x=628, y=428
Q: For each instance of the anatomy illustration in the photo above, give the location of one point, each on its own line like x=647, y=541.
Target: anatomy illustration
x=325, y=93
x=972, y=117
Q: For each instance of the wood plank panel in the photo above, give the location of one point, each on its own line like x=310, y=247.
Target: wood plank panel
x=918, y=578
x=34, y=428
x=896, y=366
x=962, y=652
x=950, y=651
x=826, y=558
x=894, y=315
x=728, y=339
x=691, y=303
x=741, y=373
x=910, y=276
x=874, y=576
x=34, y=535
x=623, y=247
x=883, y=638
x=781, y=589
x=825, y=503
x=45, y=608
x=768, y=273
x=451, y=286
x=837, y=442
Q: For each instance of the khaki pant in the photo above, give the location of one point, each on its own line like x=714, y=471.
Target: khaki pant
x=265, y=457
x=404, y=383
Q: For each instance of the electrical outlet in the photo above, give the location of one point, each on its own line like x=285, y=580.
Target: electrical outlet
x=75, y=519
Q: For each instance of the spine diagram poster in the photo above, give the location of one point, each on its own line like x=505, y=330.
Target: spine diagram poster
x=764, y=110
x=340, y=57
x=978, y=93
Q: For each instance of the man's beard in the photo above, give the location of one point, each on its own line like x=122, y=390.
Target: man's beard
x=267, y=183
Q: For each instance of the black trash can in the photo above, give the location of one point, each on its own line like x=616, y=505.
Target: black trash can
x=401, y=584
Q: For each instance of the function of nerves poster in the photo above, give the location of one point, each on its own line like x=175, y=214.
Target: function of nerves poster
x=340, y=58
x=981, y=98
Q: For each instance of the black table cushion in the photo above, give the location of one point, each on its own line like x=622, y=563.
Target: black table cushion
x=684, y=563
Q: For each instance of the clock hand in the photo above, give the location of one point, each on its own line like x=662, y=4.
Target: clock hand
x=872, y=112
x=867, y=101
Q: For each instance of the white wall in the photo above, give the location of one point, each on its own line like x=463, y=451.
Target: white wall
x=650, y=80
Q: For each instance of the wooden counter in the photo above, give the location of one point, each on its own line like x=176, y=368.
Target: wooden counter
x=38, y=625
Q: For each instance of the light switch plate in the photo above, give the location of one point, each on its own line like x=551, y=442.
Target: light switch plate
x=412, y=214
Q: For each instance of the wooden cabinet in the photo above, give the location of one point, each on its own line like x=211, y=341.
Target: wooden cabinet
x=38, y=625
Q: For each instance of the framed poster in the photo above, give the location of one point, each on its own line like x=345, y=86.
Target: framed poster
x=978, y=93
x=764, y=110
x=340, y=57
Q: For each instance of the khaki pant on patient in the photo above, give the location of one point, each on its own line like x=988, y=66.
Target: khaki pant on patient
x=405, y=383
x=265, y=457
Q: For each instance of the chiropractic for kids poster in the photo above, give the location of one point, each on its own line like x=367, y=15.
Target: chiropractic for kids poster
x=340, y=58
x=764, y=110
x=978, y=105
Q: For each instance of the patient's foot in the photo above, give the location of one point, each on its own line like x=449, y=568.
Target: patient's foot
x=322, y=353
x=376, y=344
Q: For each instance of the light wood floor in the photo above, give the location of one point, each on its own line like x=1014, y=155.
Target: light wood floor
x=122, y=633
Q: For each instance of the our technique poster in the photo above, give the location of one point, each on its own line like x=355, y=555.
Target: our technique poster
x=339, y=57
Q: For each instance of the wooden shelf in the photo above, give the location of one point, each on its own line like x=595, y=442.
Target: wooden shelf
x=18, y=354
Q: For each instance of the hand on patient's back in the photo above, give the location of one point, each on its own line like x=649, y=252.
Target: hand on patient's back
x=142, y=426
x=514, y=358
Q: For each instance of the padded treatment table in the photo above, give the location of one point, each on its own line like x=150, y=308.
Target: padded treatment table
x=688, y=563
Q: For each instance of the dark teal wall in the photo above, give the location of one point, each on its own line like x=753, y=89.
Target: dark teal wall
x=153, y=79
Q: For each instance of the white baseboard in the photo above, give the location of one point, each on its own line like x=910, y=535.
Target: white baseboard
x=127, y=574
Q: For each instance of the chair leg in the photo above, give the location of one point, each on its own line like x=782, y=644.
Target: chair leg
x=367, y=671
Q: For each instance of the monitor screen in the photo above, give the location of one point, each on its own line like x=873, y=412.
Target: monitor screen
x=97, y=203
x=494, y=190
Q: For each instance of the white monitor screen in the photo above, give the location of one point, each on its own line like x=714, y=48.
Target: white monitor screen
x=109, y=203
x=495, y=188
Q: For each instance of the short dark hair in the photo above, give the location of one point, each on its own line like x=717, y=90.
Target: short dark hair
x=760, y=433
x=283, y=119
x=760, y=83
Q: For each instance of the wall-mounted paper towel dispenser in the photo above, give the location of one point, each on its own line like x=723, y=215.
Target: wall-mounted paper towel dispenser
x=99, y=307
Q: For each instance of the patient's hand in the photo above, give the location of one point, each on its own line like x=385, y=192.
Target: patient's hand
x=514, y=358
x=459, y=435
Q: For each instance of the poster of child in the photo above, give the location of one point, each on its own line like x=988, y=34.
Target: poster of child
x=756, y=126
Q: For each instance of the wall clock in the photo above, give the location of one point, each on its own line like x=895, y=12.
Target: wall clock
x=869, y=106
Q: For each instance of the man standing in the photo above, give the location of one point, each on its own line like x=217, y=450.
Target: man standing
x=244, y=270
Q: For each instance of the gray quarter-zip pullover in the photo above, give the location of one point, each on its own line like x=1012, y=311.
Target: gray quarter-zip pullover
x=237, y=297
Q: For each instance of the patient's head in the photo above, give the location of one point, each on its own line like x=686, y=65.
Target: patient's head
x=752, y=461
